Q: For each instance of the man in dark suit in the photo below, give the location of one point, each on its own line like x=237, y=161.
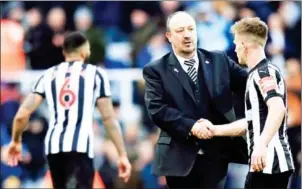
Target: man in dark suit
x=183, y=88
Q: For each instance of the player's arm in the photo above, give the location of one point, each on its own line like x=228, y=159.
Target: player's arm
x=272, y=88
x=105, y=107
x=236, y=128
x=111, y=124
x=113, y=129
x=272, y=91
x=30, y=104
x=276, y=112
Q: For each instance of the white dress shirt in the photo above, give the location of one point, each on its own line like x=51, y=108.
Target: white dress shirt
x=182, y=60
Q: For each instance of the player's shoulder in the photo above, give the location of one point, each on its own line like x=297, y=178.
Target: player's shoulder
x=50, y=70
x=267, y=69
x=99, y=69
x=100, y=72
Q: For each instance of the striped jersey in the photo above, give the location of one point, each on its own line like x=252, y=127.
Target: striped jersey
x=71, y=90
x=264, y=82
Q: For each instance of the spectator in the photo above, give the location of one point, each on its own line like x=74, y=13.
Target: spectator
x=39, y=40
x=9, y=92
x=293, y=81
x=14, y=11
x=107, y=13
x=225, y=9
x=143, y=28
x=292, y=24
x=12, y=38
x=83, y=19
x=261, y=8
x=56, y=20
x=276, y=44
x=213, y=30
x=154, y=49
x=166, y=8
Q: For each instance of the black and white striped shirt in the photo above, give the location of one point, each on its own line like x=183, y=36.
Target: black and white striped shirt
x=265, y=81
x=71, y=90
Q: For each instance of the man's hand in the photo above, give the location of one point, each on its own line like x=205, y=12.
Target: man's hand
x=124, y=168
x=14, y=153
x=213, y=128
x=200, y=129
x=258, y=157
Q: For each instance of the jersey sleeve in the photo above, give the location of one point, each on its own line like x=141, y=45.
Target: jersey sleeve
x=103, y=82
x=269, y=82
x=39, y=86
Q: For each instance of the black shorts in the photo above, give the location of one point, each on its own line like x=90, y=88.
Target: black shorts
x=71, y=170
x=261, y=180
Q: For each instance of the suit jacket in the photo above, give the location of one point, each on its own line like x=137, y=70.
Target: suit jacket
x=171, y=105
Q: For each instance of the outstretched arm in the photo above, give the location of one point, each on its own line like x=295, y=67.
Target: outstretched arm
x=236, y=128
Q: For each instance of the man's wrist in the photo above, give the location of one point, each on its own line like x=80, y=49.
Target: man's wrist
x=17, y=139
x=123, y=154
x=263, y=142
x=217, y=130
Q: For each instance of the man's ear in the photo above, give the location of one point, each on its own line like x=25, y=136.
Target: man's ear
x=168, y=36
x=244, y=48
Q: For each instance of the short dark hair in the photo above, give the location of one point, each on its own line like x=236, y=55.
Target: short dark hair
x=73, y=41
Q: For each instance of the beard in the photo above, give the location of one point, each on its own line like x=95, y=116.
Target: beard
x=189, y=50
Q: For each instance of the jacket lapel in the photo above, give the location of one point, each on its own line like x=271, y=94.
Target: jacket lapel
x=207, y=71
x=180, y=74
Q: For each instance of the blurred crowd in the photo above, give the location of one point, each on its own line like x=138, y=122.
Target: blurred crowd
x=129, y=35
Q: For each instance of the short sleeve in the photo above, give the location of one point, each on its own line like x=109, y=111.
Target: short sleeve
x=269, y=82
x=39, y=86
x=103, y=82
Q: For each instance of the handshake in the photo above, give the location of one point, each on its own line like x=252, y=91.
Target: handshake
x=204, y=129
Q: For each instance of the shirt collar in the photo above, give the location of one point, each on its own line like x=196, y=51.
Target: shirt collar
x=182, y=60
x=263, y=61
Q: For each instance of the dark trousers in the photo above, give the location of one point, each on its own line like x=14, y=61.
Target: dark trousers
x=71, y=170
x=206, y=173
x=261, y=180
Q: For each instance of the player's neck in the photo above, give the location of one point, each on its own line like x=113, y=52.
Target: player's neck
x=254, y=57
x=74, y=58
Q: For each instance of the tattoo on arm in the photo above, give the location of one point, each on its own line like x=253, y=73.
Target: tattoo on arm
x=29, y=105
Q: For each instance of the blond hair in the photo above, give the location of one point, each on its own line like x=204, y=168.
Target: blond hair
x=255, y=29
